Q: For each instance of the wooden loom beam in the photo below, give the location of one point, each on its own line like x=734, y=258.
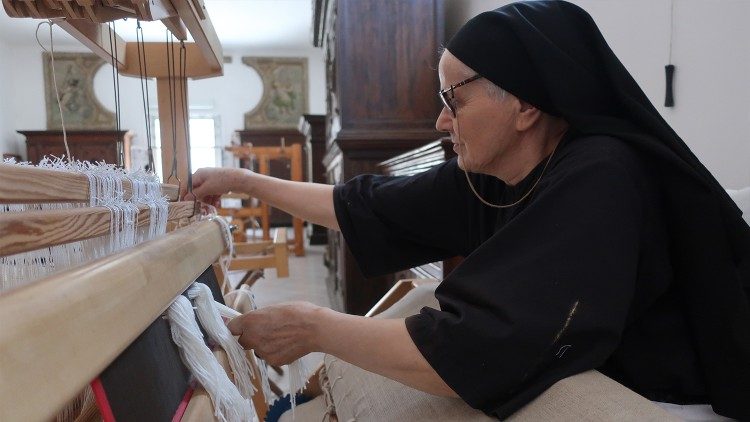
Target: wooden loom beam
x=96, y=37
x=68, y=327
x=33, y=185
x=32, y=230
x=204, y=57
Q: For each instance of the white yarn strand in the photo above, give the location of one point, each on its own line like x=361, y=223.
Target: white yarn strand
x=217, y=331
x=225, y=259
x=230, y=313
x=228, y=403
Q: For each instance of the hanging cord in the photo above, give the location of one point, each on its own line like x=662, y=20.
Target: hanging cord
x=172, y=106
x=468, y=179
x=116, y=85
x=54, y=81
x=186, y=120
x=671, y=29
x=143, y=72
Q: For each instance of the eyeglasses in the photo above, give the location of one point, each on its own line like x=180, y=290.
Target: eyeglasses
x=446, y=95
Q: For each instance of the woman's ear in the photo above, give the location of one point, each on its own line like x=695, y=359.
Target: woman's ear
x=527, y=116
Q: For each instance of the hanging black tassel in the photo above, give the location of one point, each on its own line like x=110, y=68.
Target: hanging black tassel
x=669, y=98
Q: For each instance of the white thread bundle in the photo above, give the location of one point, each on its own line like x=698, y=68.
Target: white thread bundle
x=262, y=365
x=225, y=259
x=230, y=313
x=217, y=331
x=229, y=405
x=298, y=371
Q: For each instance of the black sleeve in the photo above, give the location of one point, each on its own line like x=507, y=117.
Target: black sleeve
x=392, y=223
x=546, y=297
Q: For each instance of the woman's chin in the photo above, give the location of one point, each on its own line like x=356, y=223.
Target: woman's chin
x=461, y=163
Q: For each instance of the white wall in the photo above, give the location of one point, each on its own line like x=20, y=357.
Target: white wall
x=7, y=140
x=711, y=51
x=228, y=97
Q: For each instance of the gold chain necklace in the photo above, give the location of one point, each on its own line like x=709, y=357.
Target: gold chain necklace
x=485, y=202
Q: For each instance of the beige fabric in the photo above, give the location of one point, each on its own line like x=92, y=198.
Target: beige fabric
x=363, y=396
x=314, y=410
x=359, y=395
x=591, y=396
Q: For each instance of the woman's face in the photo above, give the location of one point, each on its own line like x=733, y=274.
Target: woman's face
x=483, y=131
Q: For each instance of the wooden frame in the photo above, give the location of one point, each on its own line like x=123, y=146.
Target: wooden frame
x=278, y=259
x=33, y=185
x=239, y=215
x=264, y=154
x=398, y=291
x=204, y=58
x=31, y=230
x=65, y=329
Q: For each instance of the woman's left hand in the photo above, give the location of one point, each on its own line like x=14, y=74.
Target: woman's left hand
x=279, y=334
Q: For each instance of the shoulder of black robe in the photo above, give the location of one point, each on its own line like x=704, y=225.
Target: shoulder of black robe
x=547, y=296
x=393, y=223
x=562, y=64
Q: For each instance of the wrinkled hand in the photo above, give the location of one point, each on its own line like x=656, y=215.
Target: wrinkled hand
x=210, y=183
x=279, y=334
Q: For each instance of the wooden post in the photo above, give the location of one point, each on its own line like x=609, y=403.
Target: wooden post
x=264, y=211
x=299, y=239
x=171, y=103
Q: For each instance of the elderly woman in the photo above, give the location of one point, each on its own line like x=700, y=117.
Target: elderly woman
x=593, y=237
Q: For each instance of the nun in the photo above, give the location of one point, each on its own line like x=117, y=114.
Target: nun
x=593, y=237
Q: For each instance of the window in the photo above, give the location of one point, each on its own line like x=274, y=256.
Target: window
x=205, y=149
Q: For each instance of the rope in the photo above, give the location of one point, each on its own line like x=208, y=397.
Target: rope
x=54, y=81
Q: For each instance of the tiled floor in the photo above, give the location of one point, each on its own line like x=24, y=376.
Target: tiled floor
x=306, y=282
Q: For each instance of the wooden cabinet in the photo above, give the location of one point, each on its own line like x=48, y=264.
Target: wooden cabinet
x=278, y=168
x=382, y=100
x=110, y=146
x=415, y=162
x=313, y=128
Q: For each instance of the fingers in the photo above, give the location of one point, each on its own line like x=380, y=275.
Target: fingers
x=235, y=325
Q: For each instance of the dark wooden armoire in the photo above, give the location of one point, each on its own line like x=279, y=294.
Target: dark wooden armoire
x=110, y=146
x=313, y=127
x=414, y=162
x=278, y=168
x=381, y=60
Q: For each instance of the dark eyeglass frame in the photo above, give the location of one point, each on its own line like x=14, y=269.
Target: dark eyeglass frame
x=448, y=100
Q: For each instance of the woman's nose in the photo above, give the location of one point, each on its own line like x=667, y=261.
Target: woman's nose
x=444, y=122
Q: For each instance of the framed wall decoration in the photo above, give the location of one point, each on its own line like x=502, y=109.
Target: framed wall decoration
x=75, y=83
x=284, y=98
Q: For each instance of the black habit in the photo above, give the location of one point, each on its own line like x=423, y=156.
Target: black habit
x=628, y=257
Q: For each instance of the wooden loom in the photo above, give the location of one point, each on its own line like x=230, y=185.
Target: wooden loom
x=61, y=331
x=85, y=21
x=264, y=155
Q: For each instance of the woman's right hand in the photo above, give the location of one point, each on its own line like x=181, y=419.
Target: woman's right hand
x=210, y=183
